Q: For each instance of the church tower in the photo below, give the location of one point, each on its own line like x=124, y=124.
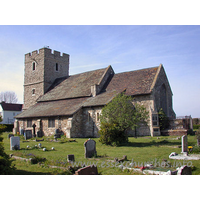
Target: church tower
x=41, y=70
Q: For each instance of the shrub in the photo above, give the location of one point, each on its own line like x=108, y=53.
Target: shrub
x=110, y=134
x=6, y=167
x=196, y=126
x=118, y=116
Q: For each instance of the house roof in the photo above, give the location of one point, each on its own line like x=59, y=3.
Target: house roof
x=11, y=106
x=74, y=92
x=78, y=85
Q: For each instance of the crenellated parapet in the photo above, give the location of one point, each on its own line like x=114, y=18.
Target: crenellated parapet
x=48, y=53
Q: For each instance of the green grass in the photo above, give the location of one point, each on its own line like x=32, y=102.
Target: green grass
x=141, y=149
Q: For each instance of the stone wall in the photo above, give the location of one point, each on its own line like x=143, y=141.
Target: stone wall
x=179, y=132
x=47, y=67
x=163, y=95
x=91, y=121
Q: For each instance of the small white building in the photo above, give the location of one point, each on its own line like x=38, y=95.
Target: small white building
x=8, y=111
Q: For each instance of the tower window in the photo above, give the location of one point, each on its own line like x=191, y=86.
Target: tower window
x=33, y=65
x=33, y=91
x=57, y=67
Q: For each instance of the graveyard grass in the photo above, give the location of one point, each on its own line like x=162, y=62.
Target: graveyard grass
x=139, y=150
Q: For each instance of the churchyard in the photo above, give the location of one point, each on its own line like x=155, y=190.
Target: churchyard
x=48, y=155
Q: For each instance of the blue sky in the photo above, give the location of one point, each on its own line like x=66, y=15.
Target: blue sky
x=126, y=48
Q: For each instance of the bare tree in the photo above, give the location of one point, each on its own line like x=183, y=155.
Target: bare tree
x=8, y=97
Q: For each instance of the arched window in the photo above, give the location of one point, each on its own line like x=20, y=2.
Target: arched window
x=33, y=66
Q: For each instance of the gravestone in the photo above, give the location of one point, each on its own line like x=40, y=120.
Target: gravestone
x=70, y=158
x=89, y=170
x=184, y=170
x=39, y=134
x=28, y=134
x=14, y=143
x=90, y=148
x=184, y=144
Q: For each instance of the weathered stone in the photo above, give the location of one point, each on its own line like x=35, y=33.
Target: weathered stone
x=70, y=158
x=184, y=170
x=90, y=148
x=28, y=134
x=89, y=170
x=14, y=143
x=184, y=144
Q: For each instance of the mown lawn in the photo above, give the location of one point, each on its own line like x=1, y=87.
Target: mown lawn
x=139, y=150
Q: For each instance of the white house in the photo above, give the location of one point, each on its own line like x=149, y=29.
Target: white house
x=8, y=111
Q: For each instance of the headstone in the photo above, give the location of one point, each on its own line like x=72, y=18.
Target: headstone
x=89, y=170
x=14, y=143
x=70, y=158
x=184, y=170
x=28, y=134
x=90, y=148
x=39, y=134
x=184, y=144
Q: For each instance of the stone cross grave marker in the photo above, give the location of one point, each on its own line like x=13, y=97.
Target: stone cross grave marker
x=184, y=144
x=28, y=134
x=14, y=143
x=90, y=148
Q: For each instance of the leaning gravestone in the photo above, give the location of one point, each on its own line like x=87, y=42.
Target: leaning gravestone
x=14, y=143
x=90, y=148
x=28, y=134
x=184, y=144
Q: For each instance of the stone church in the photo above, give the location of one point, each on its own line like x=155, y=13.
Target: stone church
x=55, y=100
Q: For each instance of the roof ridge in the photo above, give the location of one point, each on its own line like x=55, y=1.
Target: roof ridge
x=137, y=70
x=88, y=72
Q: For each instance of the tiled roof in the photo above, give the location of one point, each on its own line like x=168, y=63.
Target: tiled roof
x=135, y=82
x=53, y=108
x=74, y=92
x=74, y=86
x=11, y=106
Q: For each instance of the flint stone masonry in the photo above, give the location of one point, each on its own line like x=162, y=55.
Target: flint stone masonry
x=90, y=148
x=14, y=143
x=89, y=170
